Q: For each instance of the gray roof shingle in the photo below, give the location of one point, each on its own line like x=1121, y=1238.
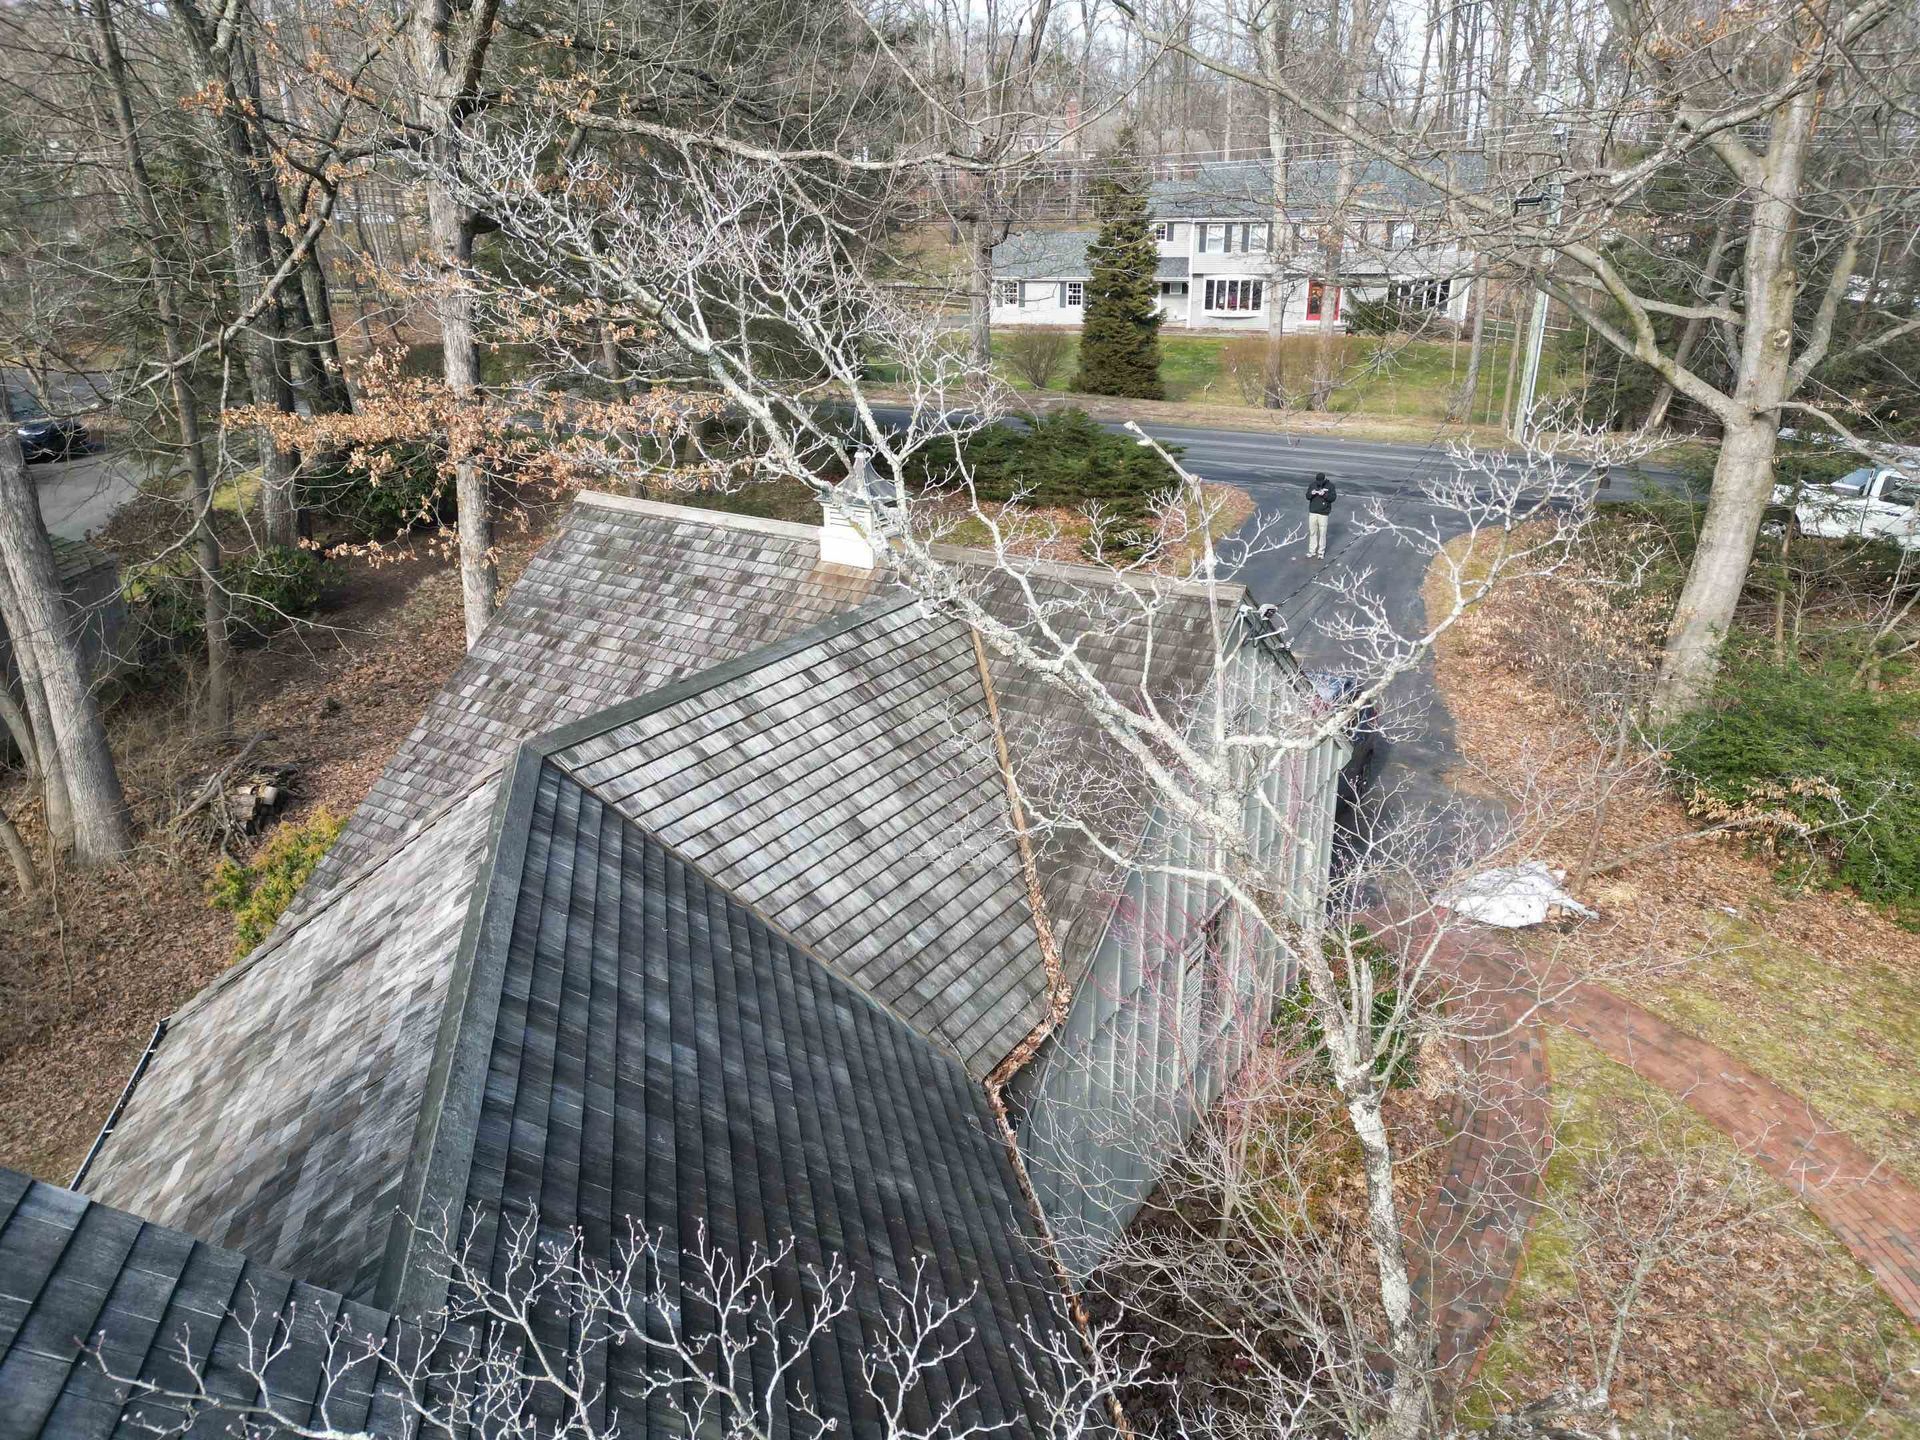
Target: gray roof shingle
x=164, y=1308
x=627, y=597
x=832, y=786
x=276, y=1115
x=1061, y=255
x=662, y=1059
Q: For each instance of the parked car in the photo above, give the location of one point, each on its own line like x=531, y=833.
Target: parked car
x=44, y=436
x=1871, y=503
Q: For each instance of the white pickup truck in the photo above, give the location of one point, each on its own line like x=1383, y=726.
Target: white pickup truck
x=1870, y=504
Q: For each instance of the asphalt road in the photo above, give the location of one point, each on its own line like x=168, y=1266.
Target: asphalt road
x=1275, y=470
x=80, y=495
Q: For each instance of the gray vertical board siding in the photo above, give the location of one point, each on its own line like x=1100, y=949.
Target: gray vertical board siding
x=762, y=1099
x=1116, y=1090
x=847, y=790
x=88, y=1293
x=278, y=1111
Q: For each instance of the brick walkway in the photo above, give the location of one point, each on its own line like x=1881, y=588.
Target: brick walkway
x=1871, y=1209
x=1467, y=1241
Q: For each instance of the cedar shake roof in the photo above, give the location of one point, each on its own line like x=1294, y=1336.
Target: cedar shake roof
x=164, y=1307
x=647, y=1053
x=277, y=1112
x=693, y=900
x=846, y=788
x=627, y=597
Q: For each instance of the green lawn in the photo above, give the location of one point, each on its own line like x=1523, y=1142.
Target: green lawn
x=1407, y=379
x=1771, y=1312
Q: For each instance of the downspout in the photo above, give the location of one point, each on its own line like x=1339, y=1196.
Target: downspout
x=119, y=1106
x=1059, y=1001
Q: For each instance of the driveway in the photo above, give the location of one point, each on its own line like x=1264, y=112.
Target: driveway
x=1275, y=471
x=80, y=495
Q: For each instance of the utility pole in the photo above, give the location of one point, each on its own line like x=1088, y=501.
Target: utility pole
x=1537, y=324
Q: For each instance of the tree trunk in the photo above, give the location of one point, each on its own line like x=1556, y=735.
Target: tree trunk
x=1742, y=486
x=980, y=292
x=18, y=853
x=18, y=729
x=1743, y=477
x=1462, y=407
x=1273, y=49
x=216, y=707
x=38, y=622
x=1407, y=1406
x=50, y=773
x=246, y=212
x=452, y=230
x=448, y=56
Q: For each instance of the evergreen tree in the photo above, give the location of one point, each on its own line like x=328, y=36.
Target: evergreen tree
x=1120, y=330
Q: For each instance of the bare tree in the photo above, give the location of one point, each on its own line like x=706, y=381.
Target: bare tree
x=39, y=626
x=724, y=1344
x=450, y=43
x=1750, y=98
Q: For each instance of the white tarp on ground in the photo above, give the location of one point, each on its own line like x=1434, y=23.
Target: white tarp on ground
x=1514, y=897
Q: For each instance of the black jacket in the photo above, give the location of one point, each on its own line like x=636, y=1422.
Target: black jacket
x=1320, y=498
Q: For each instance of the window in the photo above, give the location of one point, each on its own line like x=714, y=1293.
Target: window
x=1400, y=234
x=1234, y=296
x=1316, y=300
x=1076, y=293
x=1006, y=292
x=1422, y=294
x=1254, y=237
x=1213, y=239
x=1163, y=231
x=1900, y=492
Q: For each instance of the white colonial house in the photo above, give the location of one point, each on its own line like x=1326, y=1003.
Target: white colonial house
x=1218, y=267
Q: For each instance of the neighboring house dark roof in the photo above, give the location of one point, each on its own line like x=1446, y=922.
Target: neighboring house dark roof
x=1243, y=189
x=165, y=1308
x=1061, y=255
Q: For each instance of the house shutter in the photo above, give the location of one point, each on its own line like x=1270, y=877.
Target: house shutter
x=1060, y=295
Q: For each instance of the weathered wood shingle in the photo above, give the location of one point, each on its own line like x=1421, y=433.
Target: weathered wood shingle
x=627, y=597
x=277, y=1113
x=665, y=1061
x=845, y=785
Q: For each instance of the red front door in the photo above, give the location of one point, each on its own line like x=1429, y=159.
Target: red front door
x=1316, y=300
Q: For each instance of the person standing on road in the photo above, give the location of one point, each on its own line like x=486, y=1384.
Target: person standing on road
x=1320, y=498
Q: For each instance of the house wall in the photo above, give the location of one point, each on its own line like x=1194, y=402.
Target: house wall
x=1152, y=1037
x=1042, y=302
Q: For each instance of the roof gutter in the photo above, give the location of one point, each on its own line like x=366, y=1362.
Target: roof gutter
x=119, y=1106
x=1059, y=1001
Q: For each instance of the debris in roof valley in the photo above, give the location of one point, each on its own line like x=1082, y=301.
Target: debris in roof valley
x=656, y=942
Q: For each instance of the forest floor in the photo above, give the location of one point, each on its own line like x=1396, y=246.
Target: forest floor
x=87, y=971
x=1764, y=1312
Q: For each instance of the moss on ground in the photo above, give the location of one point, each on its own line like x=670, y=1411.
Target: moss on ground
x=1786, y=1321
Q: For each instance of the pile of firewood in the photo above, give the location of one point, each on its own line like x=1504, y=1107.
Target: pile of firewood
x=235, y=800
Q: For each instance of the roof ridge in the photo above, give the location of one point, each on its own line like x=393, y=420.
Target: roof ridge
x=549, y=743
x=699, y=515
